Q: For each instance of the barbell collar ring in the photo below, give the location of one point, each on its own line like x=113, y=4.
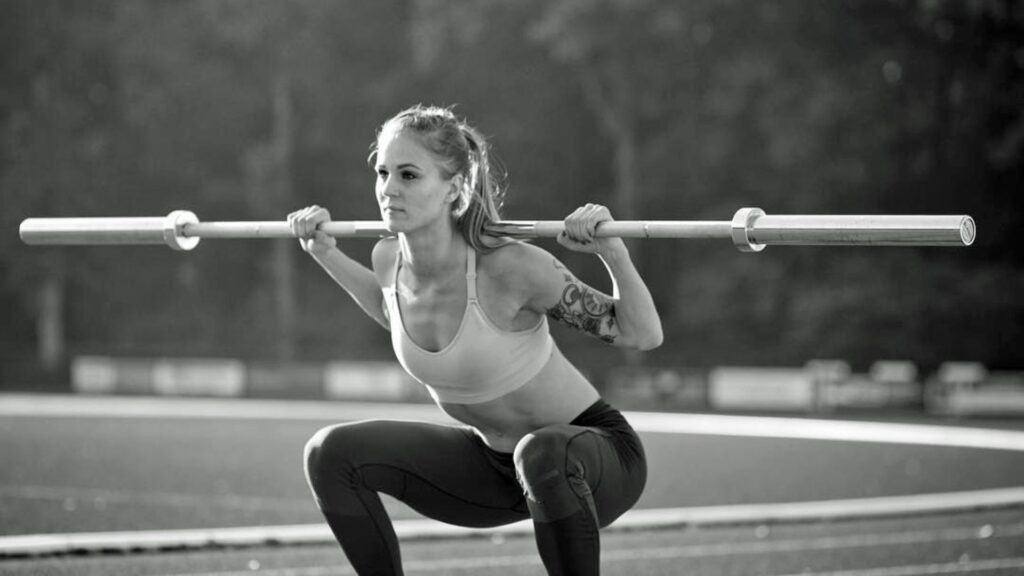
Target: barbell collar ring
x=742, y=224
x=174, y=230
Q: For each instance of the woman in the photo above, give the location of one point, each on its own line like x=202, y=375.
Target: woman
x=468, y=318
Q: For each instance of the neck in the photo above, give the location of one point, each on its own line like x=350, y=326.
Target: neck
x=433, y=253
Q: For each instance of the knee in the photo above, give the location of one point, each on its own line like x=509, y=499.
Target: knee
x=311, y=453
x=333, y=448
x=541, y=455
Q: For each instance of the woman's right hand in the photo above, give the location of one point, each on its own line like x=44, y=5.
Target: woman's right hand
x=305, y=224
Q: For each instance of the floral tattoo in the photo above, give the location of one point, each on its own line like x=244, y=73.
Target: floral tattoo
x=584, y=308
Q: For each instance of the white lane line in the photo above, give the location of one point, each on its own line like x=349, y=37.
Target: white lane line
x=926, y=569
x=836, y=430
x=849, y=508
x=170, y=407
x=419, y=529
x=721, y=549
x=509, y=561
x=99, y=498
x=655, y=422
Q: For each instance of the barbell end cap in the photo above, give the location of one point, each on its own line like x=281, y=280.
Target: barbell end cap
x=742, y=224
x=174, y=230
x=968, y=230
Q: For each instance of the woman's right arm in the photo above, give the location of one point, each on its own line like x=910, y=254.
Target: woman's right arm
x=359, y=281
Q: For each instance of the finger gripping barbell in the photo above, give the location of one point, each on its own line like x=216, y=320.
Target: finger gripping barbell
x=750, y=230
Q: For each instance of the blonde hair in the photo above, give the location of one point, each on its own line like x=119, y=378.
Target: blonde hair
x=461, y=149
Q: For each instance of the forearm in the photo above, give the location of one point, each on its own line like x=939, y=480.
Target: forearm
x=635, y=313
x=358, y=280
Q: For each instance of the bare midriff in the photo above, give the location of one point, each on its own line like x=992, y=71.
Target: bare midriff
x=556, y=395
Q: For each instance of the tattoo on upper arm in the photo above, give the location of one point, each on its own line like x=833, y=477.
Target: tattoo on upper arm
x=584, y=308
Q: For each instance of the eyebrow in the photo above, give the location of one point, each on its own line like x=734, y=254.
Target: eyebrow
x=400, y=166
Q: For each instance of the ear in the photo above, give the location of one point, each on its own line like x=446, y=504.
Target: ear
x=457, y=182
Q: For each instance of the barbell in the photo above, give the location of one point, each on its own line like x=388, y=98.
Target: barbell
x=750, y=230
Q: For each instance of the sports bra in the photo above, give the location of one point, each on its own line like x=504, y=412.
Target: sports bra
x=482, y=362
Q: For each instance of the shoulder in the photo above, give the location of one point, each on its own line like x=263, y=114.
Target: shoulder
x=383, y=258
x=525, y=269
x=516, y=260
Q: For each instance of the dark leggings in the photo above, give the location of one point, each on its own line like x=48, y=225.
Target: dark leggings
x=570, y=479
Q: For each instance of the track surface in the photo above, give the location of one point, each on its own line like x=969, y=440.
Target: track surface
x=65, y=474
x=991, y=543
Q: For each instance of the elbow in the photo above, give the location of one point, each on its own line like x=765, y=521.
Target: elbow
x=648, y=341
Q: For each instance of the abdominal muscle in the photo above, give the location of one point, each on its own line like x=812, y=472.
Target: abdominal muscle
x=556, y=395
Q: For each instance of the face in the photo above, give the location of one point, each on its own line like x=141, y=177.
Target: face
x=412, y=191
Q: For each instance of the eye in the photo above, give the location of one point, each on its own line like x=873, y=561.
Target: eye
x=406, y=175
x=382, y=173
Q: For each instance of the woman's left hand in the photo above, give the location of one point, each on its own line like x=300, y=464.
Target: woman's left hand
x=580, y=227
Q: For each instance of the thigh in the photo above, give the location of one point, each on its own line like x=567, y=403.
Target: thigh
x=440, y=471
x=615, y=483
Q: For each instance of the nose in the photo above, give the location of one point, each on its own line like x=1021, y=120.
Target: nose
x=387, y=187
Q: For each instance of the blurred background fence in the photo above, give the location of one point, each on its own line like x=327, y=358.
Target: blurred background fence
x=661, y=110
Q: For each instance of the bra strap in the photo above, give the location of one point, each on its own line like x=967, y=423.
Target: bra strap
x=398, y=264
x=470, y=274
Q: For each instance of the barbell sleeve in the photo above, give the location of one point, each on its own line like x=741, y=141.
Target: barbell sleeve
x=91, y=231
x=750, y=230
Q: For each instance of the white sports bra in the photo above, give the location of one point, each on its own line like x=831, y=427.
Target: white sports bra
x=482, y=362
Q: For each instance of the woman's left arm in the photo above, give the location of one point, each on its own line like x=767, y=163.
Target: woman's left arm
x=628, y=317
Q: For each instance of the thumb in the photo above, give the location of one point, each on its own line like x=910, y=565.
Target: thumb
x=563, y=239
x=568, y=242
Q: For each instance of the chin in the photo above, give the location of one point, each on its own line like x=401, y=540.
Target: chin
x=394, y=226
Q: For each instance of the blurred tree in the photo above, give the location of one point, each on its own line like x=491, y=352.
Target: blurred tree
x=56, y=127
x=262, y=81
x=240, y=109
x=239, y=60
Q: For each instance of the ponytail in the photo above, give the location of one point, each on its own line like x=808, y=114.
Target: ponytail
x=481, y=202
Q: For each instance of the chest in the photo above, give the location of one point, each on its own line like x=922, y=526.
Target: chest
x=431, y=318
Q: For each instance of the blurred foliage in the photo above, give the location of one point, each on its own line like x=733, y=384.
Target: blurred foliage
x=247, y=109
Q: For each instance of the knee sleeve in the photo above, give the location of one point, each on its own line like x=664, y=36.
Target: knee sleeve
x=553, y=477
